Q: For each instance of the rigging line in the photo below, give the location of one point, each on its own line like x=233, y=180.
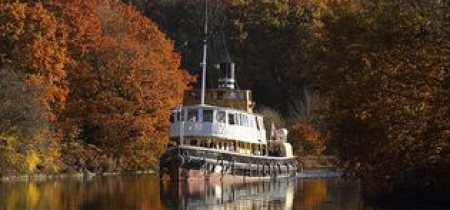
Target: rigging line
x=222, y=26
x=215, y=53
x=225, y=46
x=240, y=96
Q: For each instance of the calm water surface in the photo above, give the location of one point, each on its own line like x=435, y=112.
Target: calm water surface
x=146, y=192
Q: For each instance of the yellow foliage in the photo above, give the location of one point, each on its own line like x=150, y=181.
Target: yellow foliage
x=32, y=160
x=11, y=162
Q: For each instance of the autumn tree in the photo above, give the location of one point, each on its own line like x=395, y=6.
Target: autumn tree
x=124, y=79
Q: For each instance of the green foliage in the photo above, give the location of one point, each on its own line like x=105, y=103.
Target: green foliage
x=383, y=65
x=273, y=48
x=271, y=41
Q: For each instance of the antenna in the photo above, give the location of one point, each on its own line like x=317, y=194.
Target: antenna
x=205, y=46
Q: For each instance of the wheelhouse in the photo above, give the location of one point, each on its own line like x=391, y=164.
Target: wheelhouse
x=219, y=128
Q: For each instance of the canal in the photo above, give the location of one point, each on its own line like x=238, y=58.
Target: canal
x=146, y=192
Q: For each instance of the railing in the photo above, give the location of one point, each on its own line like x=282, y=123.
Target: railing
x=231, y=156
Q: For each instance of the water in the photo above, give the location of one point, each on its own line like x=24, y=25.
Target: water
x=146, y=192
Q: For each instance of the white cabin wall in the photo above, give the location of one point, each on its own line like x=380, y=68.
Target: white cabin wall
x=194, y=126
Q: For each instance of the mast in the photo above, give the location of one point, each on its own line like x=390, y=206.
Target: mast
x=205, y=47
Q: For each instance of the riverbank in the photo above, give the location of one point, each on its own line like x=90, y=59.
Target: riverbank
x=80, y=175
x=319, y=162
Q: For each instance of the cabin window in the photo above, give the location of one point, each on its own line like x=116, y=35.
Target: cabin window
x=193, y=142
x=220, y=117
x=250, y=121
x=232, y=95
x=172, y=118
x=243, y=123
x=261, y=124
x=207, y=115
x=203, y=144
x=192, y=115
x=231, y=119
x=257, y=123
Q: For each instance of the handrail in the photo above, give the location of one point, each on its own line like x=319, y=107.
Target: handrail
x=233, y=153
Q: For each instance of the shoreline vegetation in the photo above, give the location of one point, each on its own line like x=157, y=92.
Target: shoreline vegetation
x=81, y=175
x=365, y=81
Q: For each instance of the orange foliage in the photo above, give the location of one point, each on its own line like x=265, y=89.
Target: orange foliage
x=126, y=78
x=306, y=139
x=122, y=73
x=32, y=43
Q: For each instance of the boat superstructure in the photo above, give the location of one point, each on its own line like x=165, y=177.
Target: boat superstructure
x=216, y=134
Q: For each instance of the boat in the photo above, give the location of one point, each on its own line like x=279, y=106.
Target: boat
x=217, y=135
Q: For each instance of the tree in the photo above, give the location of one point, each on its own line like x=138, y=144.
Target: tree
x=383, y=66
x=273, y=48
x=128, y=79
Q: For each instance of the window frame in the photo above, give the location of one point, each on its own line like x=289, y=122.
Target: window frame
x=211, y=119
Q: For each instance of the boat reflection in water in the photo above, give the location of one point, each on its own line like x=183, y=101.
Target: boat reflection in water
x=276, y=195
